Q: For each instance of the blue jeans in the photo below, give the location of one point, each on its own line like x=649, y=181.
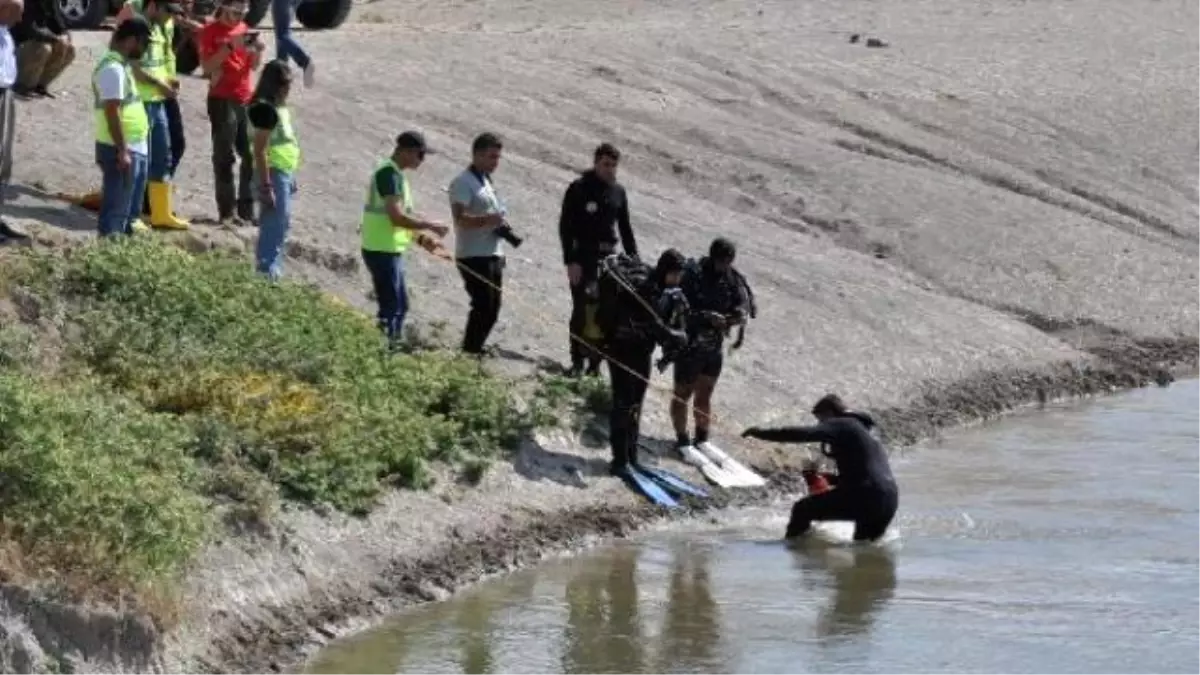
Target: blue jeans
x=120, y=191
x=286, y=45
x=160, y=142
x=273, y=225
x=387, y=277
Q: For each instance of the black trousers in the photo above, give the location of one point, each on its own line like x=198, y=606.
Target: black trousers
x=175, y=128
x=484, y=280
x=871, y=508
x=230, y=145
x=628, y=393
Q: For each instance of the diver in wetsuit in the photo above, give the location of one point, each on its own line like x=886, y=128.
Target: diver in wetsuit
x=717, y=302
x=864, y=489
x=632, y=328
x=595, y=213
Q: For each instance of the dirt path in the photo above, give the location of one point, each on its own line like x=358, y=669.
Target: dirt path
x=1007, y=187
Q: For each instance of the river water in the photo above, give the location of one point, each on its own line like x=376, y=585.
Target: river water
x=1058, y=541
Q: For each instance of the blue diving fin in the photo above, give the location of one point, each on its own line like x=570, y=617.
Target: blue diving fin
x=673, y=482
x=651, y=490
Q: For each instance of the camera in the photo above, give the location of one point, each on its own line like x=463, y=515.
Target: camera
x=506, y=233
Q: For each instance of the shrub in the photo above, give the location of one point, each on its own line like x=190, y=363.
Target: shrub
x=94, y=491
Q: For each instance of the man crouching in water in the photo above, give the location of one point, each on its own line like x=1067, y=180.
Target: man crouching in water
x=633, y=327
x=864, y=490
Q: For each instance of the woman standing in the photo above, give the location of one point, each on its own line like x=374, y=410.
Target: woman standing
x=276, y=158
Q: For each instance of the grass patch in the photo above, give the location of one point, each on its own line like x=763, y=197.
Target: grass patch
x=583, y=399
x=189, y=391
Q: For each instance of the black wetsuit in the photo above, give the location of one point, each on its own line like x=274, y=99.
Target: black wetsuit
x=632, y=333
x=593, y=214
x=864, y=489
x=708, y=293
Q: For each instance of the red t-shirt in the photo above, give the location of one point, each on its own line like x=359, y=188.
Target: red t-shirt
x=234, y=82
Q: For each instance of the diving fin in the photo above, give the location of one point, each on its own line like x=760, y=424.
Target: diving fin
x=673, y=482
x=647, y=487
x=742, y=475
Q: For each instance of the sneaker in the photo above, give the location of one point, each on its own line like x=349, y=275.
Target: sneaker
x=310, y=74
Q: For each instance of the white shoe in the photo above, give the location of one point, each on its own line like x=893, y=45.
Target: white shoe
x=310, y=74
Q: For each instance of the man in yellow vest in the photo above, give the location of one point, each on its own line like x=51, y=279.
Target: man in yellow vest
x=122, y=128
x=389, y=226
x=134, y=8
x=155, y=86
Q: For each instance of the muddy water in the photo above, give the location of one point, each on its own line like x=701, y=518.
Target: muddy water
x=1063, y=541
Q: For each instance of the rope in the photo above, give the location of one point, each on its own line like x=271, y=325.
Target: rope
x=432, y=246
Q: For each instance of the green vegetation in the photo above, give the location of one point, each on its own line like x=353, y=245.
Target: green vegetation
x=582, y=398
x=147, y=395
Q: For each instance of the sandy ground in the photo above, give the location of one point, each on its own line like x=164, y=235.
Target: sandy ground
x=934, y=228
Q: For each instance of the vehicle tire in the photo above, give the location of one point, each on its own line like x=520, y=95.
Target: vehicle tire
x=255, y=13
x=187, y=56
x=323, y=14
x=82, y=14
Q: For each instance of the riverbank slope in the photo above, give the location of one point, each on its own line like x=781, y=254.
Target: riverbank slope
x=1000, y=206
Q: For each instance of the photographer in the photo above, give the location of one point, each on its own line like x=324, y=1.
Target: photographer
x=230, y=53
x=479, y=226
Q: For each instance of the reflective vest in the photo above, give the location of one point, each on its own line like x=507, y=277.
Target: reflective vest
x=283, y=152
x=154, y=62
x=169, y=31
x=378, y=232
x=134, y=124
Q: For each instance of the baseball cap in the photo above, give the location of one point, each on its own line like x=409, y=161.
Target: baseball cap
x=413, y=140
x=135, y=27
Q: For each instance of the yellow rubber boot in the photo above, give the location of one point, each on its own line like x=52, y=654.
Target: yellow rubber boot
x=161, y=214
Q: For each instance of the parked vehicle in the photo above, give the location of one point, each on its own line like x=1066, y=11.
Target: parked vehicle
x=312, y=14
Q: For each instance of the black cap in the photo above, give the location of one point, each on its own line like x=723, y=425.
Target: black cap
x=135, y=27
x=413, y=140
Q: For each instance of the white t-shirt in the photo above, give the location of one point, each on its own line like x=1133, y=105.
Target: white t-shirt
x=8, y=59
x=111, y=82
x=478, y=198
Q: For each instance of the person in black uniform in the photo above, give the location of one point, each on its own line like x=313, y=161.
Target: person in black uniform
x=632, y=328
x=594, y=210
x=717, y=301
x=864, y=489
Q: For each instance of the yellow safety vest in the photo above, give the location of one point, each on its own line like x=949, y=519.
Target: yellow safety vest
x=283, y=152
x=378, y=232
x=134, y=123
x=169, y=30
x=154, y=62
